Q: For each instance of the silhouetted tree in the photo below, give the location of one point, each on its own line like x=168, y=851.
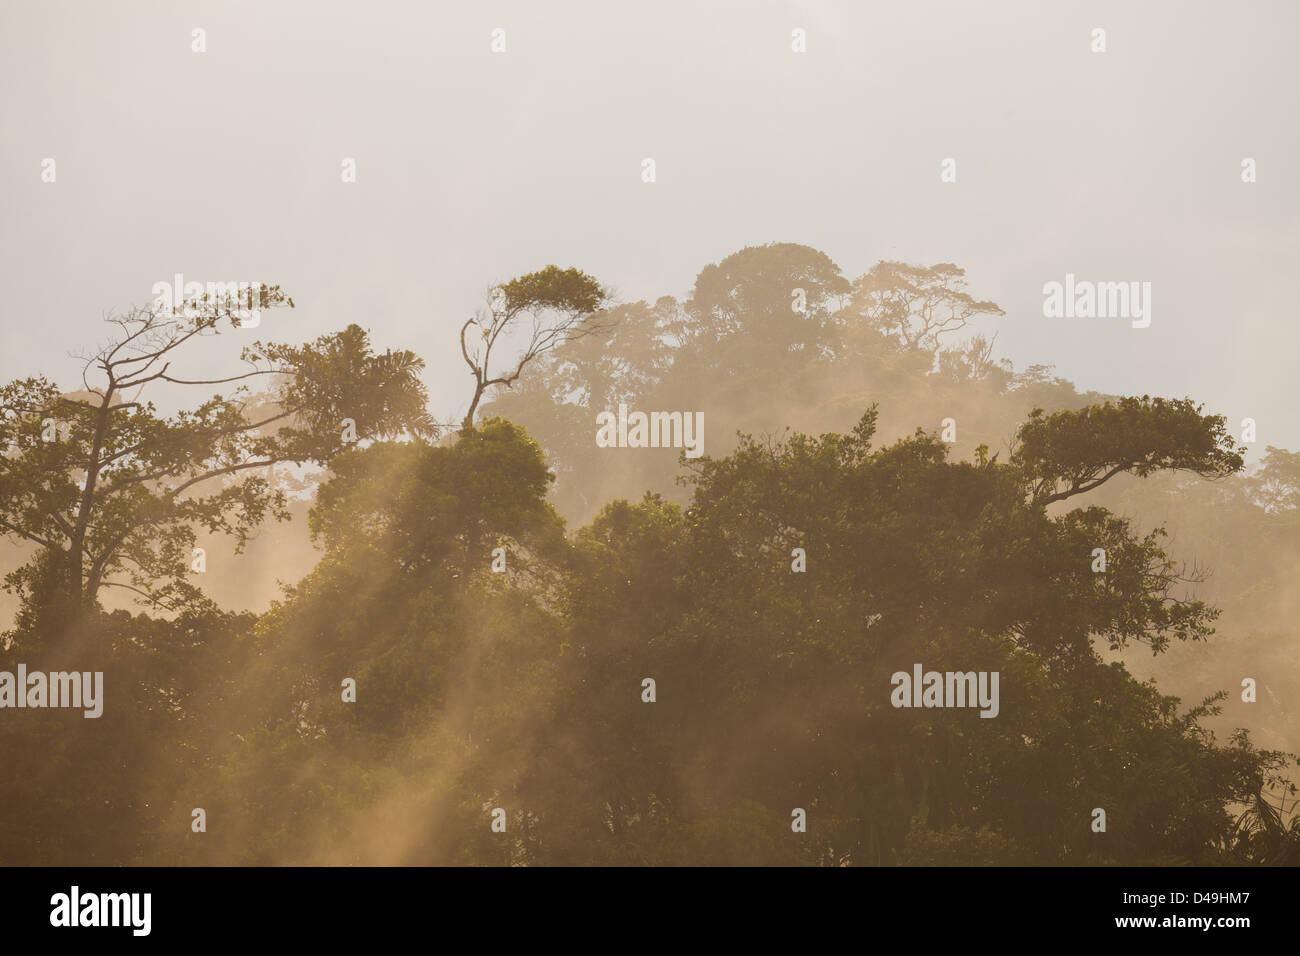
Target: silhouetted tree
x=557, y=303
x=112, y=491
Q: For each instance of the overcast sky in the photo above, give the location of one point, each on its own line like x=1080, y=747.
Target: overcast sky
x=474, y=167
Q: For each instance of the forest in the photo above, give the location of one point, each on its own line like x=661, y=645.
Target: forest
x=336, y=626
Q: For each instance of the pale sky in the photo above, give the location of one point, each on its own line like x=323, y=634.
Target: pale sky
x=474, y=167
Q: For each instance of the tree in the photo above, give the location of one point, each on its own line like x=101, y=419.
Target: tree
x=780, y=295
x=917, y=304
x=973, y=361
x=1276, y=485
x=112, y=491
x=559, y=304
x=558, y=395
x=452, y=663
x=1072, y=452
x=915, y=558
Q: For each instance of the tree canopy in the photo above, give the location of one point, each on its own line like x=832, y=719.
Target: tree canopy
x=463, y=677
x=113, y=492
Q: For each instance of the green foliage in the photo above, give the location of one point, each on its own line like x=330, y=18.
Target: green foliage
x=565, y=290
x=559, y=304
x=114, y=494
x=525, y=696
x=339, y=377
x=960, y=846
x=521, y=690
x=741, y=350
x=1076, y=451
